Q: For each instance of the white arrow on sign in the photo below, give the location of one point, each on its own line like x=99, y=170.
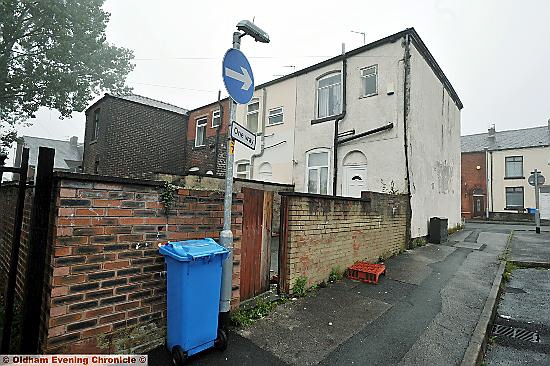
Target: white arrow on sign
x=244, y=77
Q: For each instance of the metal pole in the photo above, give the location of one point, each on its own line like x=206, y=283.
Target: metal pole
x=537, y=213
x=226, y=235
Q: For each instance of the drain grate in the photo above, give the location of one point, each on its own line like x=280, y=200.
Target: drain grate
x=518, y=333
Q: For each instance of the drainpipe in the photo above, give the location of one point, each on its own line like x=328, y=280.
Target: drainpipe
x=338, y=119
x=486, y=183
x=218, y=130
x=492, y=200
x=406, y=100
x=262, y=145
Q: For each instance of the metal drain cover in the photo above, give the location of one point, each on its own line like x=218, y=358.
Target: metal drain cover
x=518, y=333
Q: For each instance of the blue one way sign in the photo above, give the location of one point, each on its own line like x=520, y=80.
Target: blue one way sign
x=237, y=76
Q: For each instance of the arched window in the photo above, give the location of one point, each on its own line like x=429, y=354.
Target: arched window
x=265, y=171
x=329, y=95
x=317, y=171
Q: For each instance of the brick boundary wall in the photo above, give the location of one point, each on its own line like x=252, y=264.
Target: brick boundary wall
x=8, y=203
x=319, y=233
x=106, y=292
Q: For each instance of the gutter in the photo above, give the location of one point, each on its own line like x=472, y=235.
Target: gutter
x=337, y=120
x=406, y=101
x=218, y=130
x=389, y=126
x=262, y=145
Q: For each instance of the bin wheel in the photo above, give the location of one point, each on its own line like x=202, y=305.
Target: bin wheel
x=221, y=342
x=179, y=356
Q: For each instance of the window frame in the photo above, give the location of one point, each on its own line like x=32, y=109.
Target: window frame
x=308, y=168
x=213, y=118
x=197, y=129
x=506, y=158
x=95, y=125
x=509, y=207
x=282, y=114
x=247, y=171
x=375, y=66
x=317, y=88
x=257, y=111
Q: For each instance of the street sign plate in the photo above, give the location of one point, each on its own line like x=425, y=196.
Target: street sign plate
x=237, y=76
x=243, y=135
x=531, y=179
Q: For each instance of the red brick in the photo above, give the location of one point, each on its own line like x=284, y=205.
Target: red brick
x=58, y=310
x=61, y=271
x=127, y=306
x=64, y=211
x=183, y=192
x=96, y=331
x=131, y=220
x=67, y=192
x=62, y=251
x=112, y=318
x=119, y=212
x=98, y=312
x=116, y=265
x=90, y=211
x=59, y=291
x=108, y=186
x=73, y=221
x=155, y=221
x=68, y=280
x=56, y=331
x=106, y=203
x=154, y=205
x=65, y=319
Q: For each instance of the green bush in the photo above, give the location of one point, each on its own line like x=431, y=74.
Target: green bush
x=336, y=274
x=300, y=286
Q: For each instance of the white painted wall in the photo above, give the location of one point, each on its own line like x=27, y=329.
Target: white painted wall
x=384, y=151
x=434, y=149
x=278, y=139
x=537, y=157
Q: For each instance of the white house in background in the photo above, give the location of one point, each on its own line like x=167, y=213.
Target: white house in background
x=396, y=118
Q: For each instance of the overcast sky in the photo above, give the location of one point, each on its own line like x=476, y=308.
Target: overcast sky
x=494, y=52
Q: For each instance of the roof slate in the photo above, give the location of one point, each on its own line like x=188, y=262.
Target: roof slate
x=504, y=140
x=152, y=103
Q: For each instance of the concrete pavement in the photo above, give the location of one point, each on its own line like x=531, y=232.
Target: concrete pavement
x=524, y=306
x=424, y=311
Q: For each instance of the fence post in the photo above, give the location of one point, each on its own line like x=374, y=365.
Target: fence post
x=14, y=257
x=38, y=252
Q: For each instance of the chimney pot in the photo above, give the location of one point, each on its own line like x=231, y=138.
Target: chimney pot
x=492, y=131
x=74, y=141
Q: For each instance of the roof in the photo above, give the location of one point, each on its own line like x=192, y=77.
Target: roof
x=65, y=154
x=135, y=98
x=505, y=140
x=416, y=40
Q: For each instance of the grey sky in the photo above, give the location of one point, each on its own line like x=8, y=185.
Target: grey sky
x=494, y=52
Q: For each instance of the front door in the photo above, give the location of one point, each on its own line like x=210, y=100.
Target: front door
x=354, y=180
x=479, y=206
x=544, y=201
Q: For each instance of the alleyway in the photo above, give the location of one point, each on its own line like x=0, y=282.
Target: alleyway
x=424, y=311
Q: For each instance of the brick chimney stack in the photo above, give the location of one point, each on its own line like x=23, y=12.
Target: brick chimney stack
x=74, y=141
x=492, y=131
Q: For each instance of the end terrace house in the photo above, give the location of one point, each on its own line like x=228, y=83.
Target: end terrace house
x=382, y=117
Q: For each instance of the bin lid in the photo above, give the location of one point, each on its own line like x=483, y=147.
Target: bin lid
x=190, y=250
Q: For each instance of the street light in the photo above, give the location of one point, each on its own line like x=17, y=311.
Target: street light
x=244, y=27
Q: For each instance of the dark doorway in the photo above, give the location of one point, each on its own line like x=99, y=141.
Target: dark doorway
x=479, y=206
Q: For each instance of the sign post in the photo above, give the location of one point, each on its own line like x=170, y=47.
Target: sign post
x=239, y=82
x=535, y=180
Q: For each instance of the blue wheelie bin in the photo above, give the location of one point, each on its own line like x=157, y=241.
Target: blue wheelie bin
x=194, y=270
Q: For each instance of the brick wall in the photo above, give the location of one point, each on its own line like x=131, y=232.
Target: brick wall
x=106, y=289
x=134, y=140
x=472, y=179
x=8, y=203
x=319, y=233
x=204, y=157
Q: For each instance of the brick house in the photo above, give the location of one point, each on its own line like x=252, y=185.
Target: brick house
x=508, y=157
x=134, y=136
x=206, y=145
x=474, y=187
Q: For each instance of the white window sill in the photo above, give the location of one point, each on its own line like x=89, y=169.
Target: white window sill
x=368, y=95
x=275, y=124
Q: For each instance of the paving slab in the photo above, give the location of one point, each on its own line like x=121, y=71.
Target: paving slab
x=304, y=331
x=460, y=235
x=530, y=247
x=474, y=246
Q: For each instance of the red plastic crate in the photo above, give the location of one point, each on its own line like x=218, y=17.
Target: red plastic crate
x=366, y=272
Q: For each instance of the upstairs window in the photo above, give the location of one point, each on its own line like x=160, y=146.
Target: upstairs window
x=252, y=115
x=95, y=125
x=275, y=116
x=514, y=198
x=317, y=171
x=514, y=167
x=200, y=137
x=216, y=118
x=329, y=95
x=243, y=169
x=369, y=80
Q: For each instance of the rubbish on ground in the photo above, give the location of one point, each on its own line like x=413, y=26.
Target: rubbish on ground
x=366, y=272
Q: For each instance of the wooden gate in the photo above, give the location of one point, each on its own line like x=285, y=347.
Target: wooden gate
x=256, y=242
